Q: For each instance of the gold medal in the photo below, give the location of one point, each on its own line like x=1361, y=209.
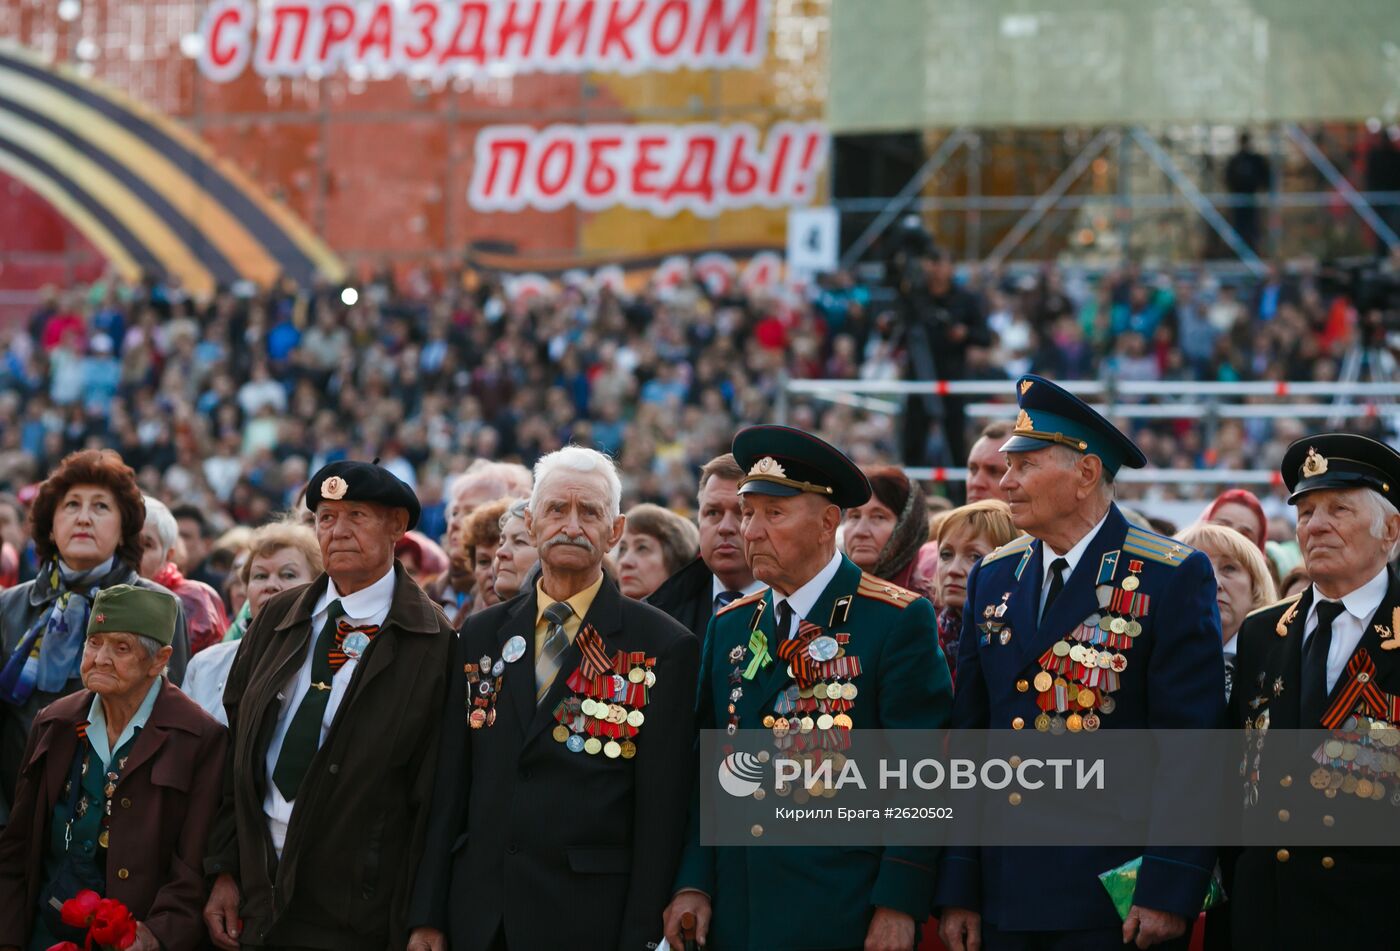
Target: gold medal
x=808, y=724
x=1349, y=784
x=841, y=721
x=825, y=721
x=805, y=693
x=849, y=691
x=819, y=691
x=1074, y=722
x=637, y=674
x=1086, y=698
x=1017, y=723
x=1042, y=722
x=102, y=838
x=1131, y=583
x=768, y=722
x=588, y=706
x=1043, y=681
x=1061, y=648
x=629, y=749
x=613, y=749
x=1118, y=625
x=560, y=733
x=1364, y=789
x=1023, y=685
x=1133, y=628
x=636, y=718
x=592, y=746
x=1319, y=778
x=1332, y=749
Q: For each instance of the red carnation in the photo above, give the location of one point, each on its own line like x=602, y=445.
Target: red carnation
x=78, y=910
x=112, y=925
x=64, y=946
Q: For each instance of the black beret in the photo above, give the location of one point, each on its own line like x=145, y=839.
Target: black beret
x=362, y=482
x=1341, y=461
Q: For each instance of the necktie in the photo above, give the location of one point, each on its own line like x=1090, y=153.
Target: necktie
x=556, y=641
x=1315, y=665
x=727, y=597
x=1057, y=583
x=784, y=621
x=304, y=732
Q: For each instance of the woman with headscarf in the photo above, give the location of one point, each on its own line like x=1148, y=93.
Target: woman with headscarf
x=883, y=536
x=86, y=523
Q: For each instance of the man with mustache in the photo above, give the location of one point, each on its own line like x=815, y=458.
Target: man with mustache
x=567, y=754
x=763, y=652
x=1083, y=623
x=1324, y=660
x=720, y=574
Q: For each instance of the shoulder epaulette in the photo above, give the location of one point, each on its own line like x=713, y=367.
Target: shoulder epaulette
x=738, y=602
x=1013, y=547
x=1154, y=547
x=877, y=589
x=1277, y=604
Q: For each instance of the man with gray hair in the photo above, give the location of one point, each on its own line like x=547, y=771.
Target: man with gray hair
x=1084, y=623
x=565, y=777
x=205, y=619
x=483, y=482
x=1323, y=660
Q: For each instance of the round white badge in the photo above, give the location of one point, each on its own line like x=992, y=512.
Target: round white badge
x=514, y=649
x=356, y=643
x=823, y=648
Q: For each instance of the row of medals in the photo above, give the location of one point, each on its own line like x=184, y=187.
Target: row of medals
x=109, y=790
x=588, y=708
x=1360, y=760
x=1089, y=657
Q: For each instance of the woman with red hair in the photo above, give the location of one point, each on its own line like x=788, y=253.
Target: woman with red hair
x=1239, y=509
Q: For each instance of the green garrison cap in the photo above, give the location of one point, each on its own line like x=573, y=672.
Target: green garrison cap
x=127, y=609
x=783, y=461
x=1341, y=461
x=1051, y=415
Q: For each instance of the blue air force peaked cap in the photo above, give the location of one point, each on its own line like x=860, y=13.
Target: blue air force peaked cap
x=1050, y=415
x=1341, y=461
x=362, y=482
x=782, y=461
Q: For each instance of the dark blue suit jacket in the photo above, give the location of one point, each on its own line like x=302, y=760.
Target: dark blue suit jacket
x=1173, y=681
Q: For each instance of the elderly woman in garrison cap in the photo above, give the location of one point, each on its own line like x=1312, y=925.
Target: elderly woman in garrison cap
x=117, y=788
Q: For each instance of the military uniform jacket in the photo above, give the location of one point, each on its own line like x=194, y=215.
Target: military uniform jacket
x=358, y=824
x=903, y=684
x=561, y=849
x=1283, y=896
x=1171, y=678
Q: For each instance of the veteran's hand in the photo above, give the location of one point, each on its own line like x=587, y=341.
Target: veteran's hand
x=1150, y=926
x=221, y=914
x=145, y=941
x=688, y=902
x=427, y=939
x=960, y=929
x=890, y=930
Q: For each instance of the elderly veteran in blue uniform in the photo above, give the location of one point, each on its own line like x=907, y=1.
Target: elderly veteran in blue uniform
x=1083, y=623
x=891, y=675
x=1327, y=659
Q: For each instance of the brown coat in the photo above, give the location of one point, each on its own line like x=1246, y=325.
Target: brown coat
x=360, y=817
x=161, y=814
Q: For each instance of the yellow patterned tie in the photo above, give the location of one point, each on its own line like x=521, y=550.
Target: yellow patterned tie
x=555, y=643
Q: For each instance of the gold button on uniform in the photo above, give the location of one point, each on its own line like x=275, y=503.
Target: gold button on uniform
x=123, y=874
x=1014, y=799
x=1286, y=781
x=1283, y=815
x=126, y=803
x=1282, y=855
x=1017, y=723
x=756, y=831
x=1023, y=685
x=1328, y=861
x=1015, y=761
x=1328, y=821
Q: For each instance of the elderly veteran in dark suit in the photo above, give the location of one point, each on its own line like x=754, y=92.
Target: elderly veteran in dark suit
x=1327, y=659
x=333, y=706
x=118, y=788
x=891, y=676
x=1083, y=623
x=567, y=748
x=719, y=574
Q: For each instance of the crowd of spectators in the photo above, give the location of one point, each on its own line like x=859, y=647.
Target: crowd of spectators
x=227, y=405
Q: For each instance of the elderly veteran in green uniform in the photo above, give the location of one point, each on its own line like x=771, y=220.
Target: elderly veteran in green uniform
x=1083, y=623
x=891, y=675
x=118, y=788
x=1327, y=659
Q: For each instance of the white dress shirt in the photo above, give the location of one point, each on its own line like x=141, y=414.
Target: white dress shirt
x=1073, y=556
x=366, y=606
x=1358, y=607
x=206, y=675
x=717, y=589
x=805, y=598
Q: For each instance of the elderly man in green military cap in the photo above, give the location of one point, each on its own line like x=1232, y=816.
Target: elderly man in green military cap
x=892, y=675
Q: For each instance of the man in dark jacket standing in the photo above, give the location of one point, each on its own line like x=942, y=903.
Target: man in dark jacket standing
x=333, y=708
x=567, y=748
x=720, y=574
